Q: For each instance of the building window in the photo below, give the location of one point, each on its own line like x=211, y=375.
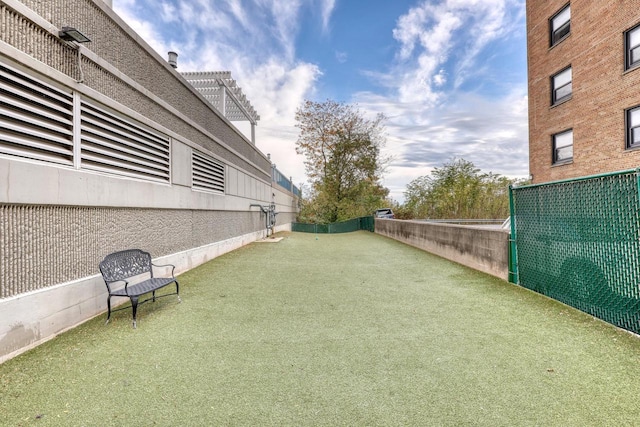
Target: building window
x=561, y=86
x=563, y=146
x=633, y=127
x=632, y=48
x=560, y=25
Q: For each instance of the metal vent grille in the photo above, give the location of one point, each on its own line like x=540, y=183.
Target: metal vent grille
x=36, y=120
x=114, y=144
x=207, y=174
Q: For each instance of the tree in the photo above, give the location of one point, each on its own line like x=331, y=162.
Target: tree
x=458, y=190
x=342, y=160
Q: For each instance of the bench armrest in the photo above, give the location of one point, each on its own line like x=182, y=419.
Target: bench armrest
x=173, y=267
x=126, y=284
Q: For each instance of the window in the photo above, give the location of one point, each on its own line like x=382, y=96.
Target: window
x=563, y=146
x=561, y=86
x=632, y=48
x=560, y=25
x=633, y=127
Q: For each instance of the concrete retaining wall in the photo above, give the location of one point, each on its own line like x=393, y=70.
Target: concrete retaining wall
x=480, y=248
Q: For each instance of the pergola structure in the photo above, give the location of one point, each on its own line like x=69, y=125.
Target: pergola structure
x=224, y=94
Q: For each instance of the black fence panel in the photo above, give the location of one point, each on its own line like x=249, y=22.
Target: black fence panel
x=355, y=224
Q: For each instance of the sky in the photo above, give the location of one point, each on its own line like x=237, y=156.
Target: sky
x=449, y=75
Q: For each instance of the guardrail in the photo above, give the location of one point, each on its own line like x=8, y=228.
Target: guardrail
x=284, y=182
x=465, y=221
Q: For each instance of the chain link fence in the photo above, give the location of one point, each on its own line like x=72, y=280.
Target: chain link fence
x=355, y=224
x=578, y=242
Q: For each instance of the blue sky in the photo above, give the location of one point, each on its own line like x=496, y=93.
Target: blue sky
x=450, y=75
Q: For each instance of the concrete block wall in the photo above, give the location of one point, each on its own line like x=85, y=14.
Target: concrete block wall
x=57, y=244
x=483, y=249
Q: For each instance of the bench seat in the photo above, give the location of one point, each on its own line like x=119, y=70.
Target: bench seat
x=142, y=288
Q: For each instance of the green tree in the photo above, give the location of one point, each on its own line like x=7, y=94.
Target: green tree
x=458, y=190
x=342, y=160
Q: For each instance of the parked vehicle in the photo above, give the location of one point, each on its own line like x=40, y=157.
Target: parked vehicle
x=384, y=213
x=584, y=262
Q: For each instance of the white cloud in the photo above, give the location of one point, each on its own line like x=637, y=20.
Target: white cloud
x=491, y=133
x=342, y=57
x=147, y=31
x=284, y=14
x=430, y=118
x=327, y=10
x=239, y=13
x=169, y=12
x=433, y=34
x=440, y=78
x=276, y=92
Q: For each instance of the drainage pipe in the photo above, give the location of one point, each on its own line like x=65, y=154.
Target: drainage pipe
x=270, y=215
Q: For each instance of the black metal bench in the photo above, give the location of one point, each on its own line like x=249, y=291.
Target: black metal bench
x=117, y=268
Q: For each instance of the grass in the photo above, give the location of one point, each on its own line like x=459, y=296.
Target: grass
x=351, y=329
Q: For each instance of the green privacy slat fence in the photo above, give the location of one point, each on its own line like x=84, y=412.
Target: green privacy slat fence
x=355, y=224
x=578, y=242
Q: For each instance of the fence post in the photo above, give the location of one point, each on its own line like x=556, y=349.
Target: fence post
x=513, y=249
x=638, y=180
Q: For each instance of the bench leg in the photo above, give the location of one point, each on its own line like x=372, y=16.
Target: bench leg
x=108, y=309
x=178, y=291
x=134, y=306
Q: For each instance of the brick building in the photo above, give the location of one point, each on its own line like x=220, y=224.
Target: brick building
x=584, y=87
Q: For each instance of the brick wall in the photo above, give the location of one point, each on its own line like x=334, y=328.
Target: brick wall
x=602, y=89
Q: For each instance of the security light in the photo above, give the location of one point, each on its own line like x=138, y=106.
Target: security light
x=72, y=35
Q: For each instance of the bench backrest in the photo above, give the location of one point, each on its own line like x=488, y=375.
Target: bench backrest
x=125, y=264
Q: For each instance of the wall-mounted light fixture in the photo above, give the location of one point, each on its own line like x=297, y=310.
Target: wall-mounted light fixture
x=72, y=35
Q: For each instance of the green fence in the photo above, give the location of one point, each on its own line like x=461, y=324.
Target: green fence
x=579, y=242
x=355, y=224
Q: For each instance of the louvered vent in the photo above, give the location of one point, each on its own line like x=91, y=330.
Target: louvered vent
x=114, y=144
x=36, y=120
x=208, y=174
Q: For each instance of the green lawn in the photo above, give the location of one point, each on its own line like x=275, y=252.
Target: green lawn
x=352, y=329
